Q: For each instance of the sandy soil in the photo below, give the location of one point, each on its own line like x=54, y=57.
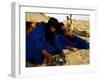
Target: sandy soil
x=80, y=56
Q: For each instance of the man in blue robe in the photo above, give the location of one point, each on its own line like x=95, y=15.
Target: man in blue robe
x=38, y=47
x=35, y=44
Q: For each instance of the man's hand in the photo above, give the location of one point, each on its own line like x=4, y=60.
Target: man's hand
x=62, y=54
x=47, y=55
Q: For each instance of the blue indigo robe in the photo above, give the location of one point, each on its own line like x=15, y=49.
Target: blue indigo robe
x=36, y=42
x=73, y=41
x=80, y=43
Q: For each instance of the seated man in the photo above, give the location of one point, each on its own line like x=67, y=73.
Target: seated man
x=41, y=42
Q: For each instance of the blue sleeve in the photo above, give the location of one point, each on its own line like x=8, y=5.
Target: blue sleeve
x=38, y=36
x=64, y=40
x=58, y=44
x=38, y=32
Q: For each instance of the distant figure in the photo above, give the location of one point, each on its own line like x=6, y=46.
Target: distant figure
x=70, y=28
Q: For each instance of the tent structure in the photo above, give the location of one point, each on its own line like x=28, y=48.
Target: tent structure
x=36, y=17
